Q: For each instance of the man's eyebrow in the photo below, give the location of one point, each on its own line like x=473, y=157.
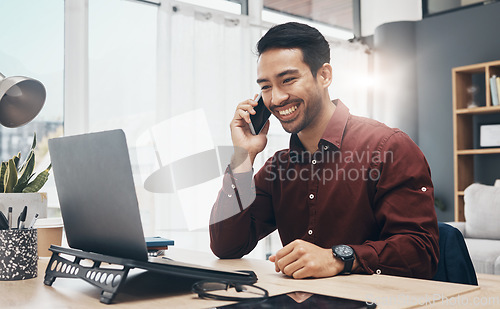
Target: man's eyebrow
x=286, y=72
x=291, y=71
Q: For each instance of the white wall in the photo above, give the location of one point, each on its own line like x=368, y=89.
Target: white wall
x=377, y=12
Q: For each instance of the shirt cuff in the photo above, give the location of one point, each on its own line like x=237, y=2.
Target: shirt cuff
x=241, y=184
x=367, y=259
x=236, y=195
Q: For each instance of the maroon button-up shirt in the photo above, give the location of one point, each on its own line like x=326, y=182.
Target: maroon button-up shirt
x=367, y=186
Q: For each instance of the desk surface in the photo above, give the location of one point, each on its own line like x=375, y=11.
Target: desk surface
x=148, y=290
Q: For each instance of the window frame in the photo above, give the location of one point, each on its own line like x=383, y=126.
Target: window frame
x=426, y=14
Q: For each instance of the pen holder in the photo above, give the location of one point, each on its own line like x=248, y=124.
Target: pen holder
x=18, y=254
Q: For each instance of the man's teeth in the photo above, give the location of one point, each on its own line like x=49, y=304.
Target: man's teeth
x=288, y=111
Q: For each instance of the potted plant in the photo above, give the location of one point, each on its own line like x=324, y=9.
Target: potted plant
x=19, y=186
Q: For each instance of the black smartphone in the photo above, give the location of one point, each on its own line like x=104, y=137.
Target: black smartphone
x=302, y=300
x=258, y=120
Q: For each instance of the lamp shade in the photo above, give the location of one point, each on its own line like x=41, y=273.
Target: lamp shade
x=21, y=99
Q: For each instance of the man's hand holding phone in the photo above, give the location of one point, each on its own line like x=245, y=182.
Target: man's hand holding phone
x=246, y=144
x=259, y=119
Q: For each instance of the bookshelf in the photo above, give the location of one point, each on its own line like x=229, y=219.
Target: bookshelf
x=463, y=79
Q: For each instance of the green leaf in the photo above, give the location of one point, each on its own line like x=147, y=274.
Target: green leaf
x=38, y=182
x=33, y=145
x=16, y=159
x=2, y=174
x=26, y=172
x=10, y=178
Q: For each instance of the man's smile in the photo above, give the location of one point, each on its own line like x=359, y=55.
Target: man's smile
x=286, y=113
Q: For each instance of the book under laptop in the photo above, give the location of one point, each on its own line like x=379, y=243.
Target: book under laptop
x=101, y=216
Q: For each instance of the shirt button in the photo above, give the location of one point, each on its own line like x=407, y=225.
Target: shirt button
x=229, y=195
x=313, y=162
x=325, y=147
x=311, y=196
x=423, y=189
x=378, y=272
x=310, y=232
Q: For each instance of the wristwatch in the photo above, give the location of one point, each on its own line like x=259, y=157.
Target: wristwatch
x=346, y=254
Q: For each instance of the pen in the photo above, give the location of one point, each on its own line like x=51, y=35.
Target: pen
x=22, y=218
x=9, y=217
x=33, y=221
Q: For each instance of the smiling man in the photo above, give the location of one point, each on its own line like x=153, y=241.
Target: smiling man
x=350, y=195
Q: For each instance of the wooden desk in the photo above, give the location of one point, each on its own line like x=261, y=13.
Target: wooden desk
x=149, y=290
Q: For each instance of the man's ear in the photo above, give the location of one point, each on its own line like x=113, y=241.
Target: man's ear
x=324, y=75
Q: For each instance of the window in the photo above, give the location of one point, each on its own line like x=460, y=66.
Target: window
x=122, y=77
x=122, y=64
x=337, y=13
x=433, y=7
x=228, y=6
x=32, y=44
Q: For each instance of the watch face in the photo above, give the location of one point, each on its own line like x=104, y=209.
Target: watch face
x=344, y=251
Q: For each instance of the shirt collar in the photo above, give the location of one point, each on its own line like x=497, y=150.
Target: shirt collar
x=332, y=137
x=335, y=129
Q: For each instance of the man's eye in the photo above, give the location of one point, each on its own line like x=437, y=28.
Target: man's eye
x=288, y=80
x=264, y=87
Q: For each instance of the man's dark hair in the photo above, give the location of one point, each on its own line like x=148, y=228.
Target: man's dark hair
x=315, y=48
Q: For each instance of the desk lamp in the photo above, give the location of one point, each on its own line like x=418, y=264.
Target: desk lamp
x=21, y=99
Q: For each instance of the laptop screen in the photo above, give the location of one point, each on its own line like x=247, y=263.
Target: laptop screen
x=97, y=194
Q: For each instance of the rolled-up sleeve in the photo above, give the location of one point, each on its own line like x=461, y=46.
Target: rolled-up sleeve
x=403, y=207
x=237, y=224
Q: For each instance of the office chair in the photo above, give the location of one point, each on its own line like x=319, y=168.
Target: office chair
x=455, y=264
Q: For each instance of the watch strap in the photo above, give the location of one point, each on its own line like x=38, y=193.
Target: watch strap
x=348, y=265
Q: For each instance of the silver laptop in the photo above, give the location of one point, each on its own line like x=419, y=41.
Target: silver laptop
x=99, y=204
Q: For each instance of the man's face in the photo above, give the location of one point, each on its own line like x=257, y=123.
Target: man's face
x=289, y=89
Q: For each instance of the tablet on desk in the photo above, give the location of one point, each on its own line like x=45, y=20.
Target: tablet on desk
x=300, y=299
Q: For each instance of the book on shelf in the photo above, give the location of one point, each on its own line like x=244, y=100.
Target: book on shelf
x=497, y=79
x=494, y=90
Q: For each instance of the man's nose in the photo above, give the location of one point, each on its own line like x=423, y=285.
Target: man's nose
x=278, y=96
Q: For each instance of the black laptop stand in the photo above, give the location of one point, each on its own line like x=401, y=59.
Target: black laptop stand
x=110, y=279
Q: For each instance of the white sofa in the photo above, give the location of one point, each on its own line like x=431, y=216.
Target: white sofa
x=481, y=228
